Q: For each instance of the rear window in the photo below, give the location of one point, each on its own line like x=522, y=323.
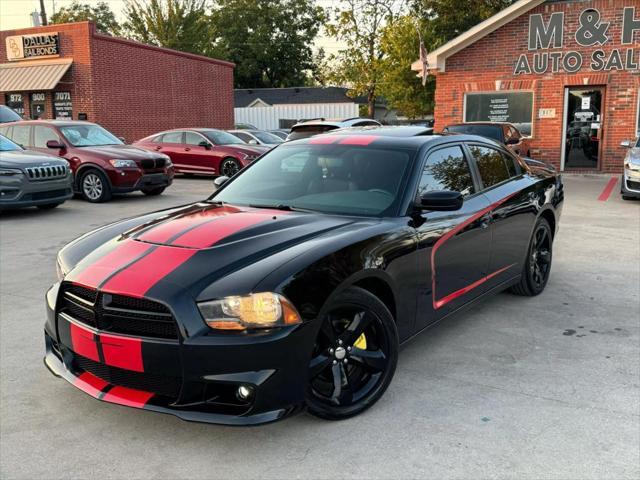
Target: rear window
x=307, y=131
x=488, y=131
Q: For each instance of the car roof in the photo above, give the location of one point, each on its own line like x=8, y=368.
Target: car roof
x=386, y=130
x=55, y=123
x=345, y=122
x=496, y=124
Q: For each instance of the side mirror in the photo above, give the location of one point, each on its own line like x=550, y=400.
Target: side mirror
x=443, y=201
x=205, y=144
x=57, y=144
x=252, y=142
x=625, y=144
x=122, y=139
x=513, y=141
x=220, y=181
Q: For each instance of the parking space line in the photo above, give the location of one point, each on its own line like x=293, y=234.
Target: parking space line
x=608, y=188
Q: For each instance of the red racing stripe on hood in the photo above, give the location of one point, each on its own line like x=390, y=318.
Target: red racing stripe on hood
x=97, y=272
x=165, y=231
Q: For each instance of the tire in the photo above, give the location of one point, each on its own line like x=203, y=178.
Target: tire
x=628, y=197
x=48, y=206
x=343, y=380
x=229, y=167
x=152, y=192
x=537, y=267
x=94, y=186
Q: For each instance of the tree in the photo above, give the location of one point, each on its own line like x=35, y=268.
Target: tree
x=269, y=40
x=450, y=18
x=399, y=85
x=179, y=24
x=100, y=14
x=358, y=26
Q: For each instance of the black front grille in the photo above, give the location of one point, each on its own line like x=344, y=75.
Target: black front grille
x=153, y=163
x=633, y=185
x=117, y=313
x=47, y=173
x=158, y=384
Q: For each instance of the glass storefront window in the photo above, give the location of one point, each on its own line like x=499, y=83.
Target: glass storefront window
x=512, y=107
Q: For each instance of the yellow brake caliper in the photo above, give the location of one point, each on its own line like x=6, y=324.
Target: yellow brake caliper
x=361, y=342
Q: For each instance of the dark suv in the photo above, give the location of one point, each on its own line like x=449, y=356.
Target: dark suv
x=101, y=162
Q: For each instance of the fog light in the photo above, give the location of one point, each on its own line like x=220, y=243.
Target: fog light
x=244, y=392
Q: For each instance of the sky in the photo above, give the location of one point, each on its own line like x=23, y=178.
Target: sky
x=17, y=14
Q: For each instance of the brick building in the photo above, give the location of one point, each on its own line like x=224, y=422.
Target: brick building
x=565, y=72
x=73, y=71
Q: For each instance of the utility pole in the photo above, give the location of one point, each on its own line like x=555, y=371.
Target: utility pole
x=43, y=13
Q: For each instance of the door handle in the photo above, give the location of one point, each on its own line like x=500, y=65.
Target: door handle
x=187, y=149
x=158, y=147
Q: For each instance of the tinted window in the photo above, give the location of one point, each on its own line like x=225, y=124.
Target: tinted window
x=490, y=131
x=491, y=164
x=446, y=169
x=192, y=138
x=218, y=137
x=266, y=137
x=41, y=135
x=344, y=179
x=20, y=135
x=172, y=137
x=243, y=136
x=511, y=165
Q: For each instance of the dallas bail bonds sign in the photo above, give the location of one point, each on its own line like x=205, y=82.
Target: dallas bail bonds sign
x=591, y=31
x=25, y=47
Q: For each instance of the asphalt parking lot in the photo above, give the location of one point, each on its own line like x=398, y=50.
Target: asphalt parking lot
x=544, y=387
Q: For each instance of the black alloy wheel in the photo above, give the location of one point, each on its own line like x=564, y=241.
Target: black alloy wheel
x=229, y=167
x=538, y=264
x=354, y=358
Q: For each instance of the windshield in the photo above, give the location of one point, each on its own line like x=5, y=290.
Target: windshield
x=7, y=145
x=489, y=131
x=88, y=135
x=266, y=137
x=341, y=179
x=8, y=115
x=218, y=137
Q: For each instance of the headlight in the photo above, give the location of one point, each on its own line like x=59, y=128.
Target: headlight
x=632, y=166
x=250, y=158
x=258, y=310
x=9, y=172
x=60, y=269
x=123, y=163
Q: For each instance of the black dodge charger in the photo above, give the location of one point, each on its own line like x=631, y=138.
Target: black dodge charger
x=296, y=282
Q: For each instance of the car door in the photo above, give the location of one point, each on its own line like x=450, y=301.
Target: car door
x=172, y=144
x=197, y=156
x=509, y=192
x=41, y=135
x=454, y=247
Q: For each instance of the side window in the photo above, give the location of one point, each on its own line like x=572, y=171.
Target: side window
x=243, y=136
x=20, y=135
x=510, y=162
x=507, y=133
x=41, y=135
x=171, y=137
x=447, y=169
x=491, y=164
x=192, y=138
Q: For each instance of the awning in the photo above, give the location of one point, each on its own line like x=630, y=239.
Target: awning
x=34, y=75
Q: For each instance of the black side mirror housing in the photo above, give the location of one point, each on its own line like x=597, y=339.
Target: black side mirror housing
x=220, y=181
x=57, y=144
x=441, y=201
x=205, y=144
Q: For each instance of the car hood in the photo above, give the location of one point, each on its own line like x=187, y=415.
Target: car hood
x=193, y=246
x=126, y=152
x=27, y=158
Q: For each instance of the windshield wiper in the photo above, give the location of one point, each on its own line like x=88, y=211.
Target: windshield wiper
x=281, y=206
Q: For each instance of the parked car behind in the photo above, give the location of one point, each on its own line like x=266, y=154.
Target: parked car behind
x=257, y=137
x=7, y=115
x=316, y=127
x=503, y=132
x=280, y=132
x=102, y=164
x=31, y=179
x=203, y=150
x=631, y=176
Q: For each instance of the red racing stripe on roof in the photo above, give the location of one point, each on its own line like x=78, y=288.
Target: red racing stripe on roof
x=94, y=274
x=357, y=140
x=323, y=139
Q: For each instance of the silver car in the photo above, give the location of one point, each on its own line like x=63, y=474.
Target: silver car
x=32, y=179
x=631, y=176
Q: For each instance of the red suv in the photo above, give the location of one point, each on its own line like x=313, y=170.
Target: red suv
x=101, y=162
x=203, y=150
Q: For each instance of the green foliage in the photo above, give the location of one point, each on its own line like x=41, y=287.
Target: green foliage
x=270, y=41
x=100, y=14
x=400, y=86
x=179, y=24
x=359, y=64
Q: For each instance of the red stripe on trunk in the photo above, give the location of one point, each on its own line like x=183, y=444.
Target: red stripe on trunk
x=128, y=397
x=122, y=352
x=89, y=383
x=94, y=274
x=608, y=188
x=83, y=342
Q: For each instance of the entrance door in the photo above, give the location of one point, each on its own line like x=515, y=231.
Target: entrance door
x=583, y=127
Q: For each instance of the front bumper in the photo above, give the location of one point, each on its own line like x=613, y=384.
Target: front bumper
x=630, y=185
x=206, y=370
x=131, y=180
x=19, y=192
